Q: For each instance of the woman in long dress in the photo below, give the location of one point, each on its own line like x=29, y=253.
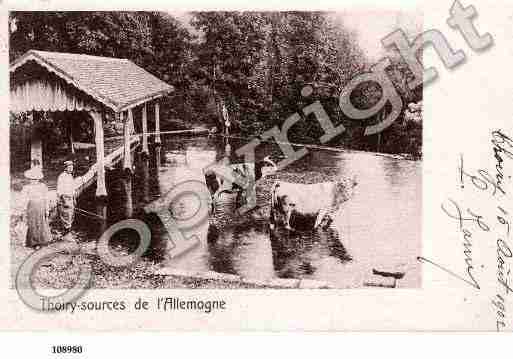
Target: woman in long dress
x=37, y=210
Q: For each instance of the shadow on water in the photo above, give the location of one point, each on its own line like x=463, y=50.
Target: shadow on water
x=299, y=254
x=379, y=227
x=243, y=248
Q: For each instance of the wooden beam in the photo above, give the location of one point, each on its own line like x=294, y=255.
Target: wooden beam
x=193, y=131
x=145, y=130
x=157, y=122
x=127, y=160
x=100, y=154
x=146, y=179
x=70, y=134
x=36, y=143
x=143, y=100
x=83, y=145
x=131, y=125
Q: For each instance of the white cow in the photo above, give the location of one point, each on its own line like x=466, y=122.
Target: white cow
x=319, y=201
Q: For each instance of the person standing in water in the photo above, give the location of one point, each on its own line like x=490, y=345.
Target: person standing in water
x=37, y=210
x=227, y=122
x=66, y=197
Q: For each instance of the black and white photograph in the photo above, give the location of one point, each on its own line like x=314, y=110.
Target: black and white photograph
x=267, y=167
x=215, y=150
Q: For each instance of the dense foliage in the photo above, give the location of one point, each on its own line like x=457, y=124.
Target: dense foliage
x=254, y=63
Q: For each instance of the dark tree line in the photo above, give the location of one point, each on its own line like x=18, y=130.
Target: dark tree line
x=255, y=63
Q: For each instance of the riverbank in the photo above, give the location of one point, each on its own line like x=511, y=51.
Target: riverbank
x=397, y=156
x=62, y=272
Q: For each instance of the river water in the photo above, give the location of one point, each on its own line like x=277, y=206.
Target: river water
x=378, y=228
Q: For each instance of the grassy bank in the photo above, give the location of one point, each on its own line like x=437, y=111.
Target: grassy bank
x=62, y=271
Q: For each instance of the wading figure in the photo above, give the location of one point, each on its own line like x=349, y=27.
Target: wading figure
x=66, y=197
x=249, y=173
x=227, y=122
x=37, y=210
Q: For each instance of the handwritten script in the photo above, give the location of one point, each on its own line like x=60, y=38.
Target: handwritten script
x=472, y=225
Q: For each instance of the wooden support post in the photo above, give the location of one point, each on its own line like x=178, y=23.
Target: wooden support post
x=145, y=131
x=70, y=134
x=146, y=179
x=36, y=142
x=158, y=159
x=100, y=154
x=157, y=122
x=131, y=125
x=127, y=159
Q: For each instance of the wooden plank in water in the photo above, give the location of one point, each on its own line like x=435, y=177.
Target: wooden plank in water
x=111, y=159
x=194, y=131
x=83, y=145
x=89, y=177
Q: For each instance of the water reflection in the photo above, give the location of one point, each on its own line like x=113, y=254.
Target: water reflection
x=227, y=147
x=303, y=254
x=378, y=228
x=101, y=211
x=158, y=158
x=126, y=184
x=145, y=170
x=244, y=249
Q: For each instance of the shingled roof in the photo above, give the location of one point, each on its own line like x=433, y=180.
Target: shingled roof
x=117, y=83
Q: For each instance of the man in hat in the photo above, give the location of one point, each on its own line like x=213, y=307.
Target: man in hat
x=66, y=196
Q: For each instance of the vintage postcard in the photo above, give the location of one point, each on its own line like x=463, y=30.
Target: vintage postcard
x=295, y=168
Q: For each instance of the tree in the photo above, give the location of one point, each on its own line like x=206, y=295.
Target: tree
x=228, y=56
x=114, y=34
x=254, y=63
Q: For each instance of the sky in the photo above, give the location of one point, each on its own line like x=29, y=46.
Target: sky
x=372, y=26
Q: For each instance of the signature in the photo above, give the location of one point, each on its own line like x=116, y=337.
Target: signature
x=471, y=282
x=462, y=221
x=502, y=146
x=469, y=223
x=482, y=181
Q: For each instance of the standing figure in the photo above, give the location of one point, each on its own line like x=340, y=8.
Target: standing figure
x=66, y=197
x=227, y=122
x=37, y=210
